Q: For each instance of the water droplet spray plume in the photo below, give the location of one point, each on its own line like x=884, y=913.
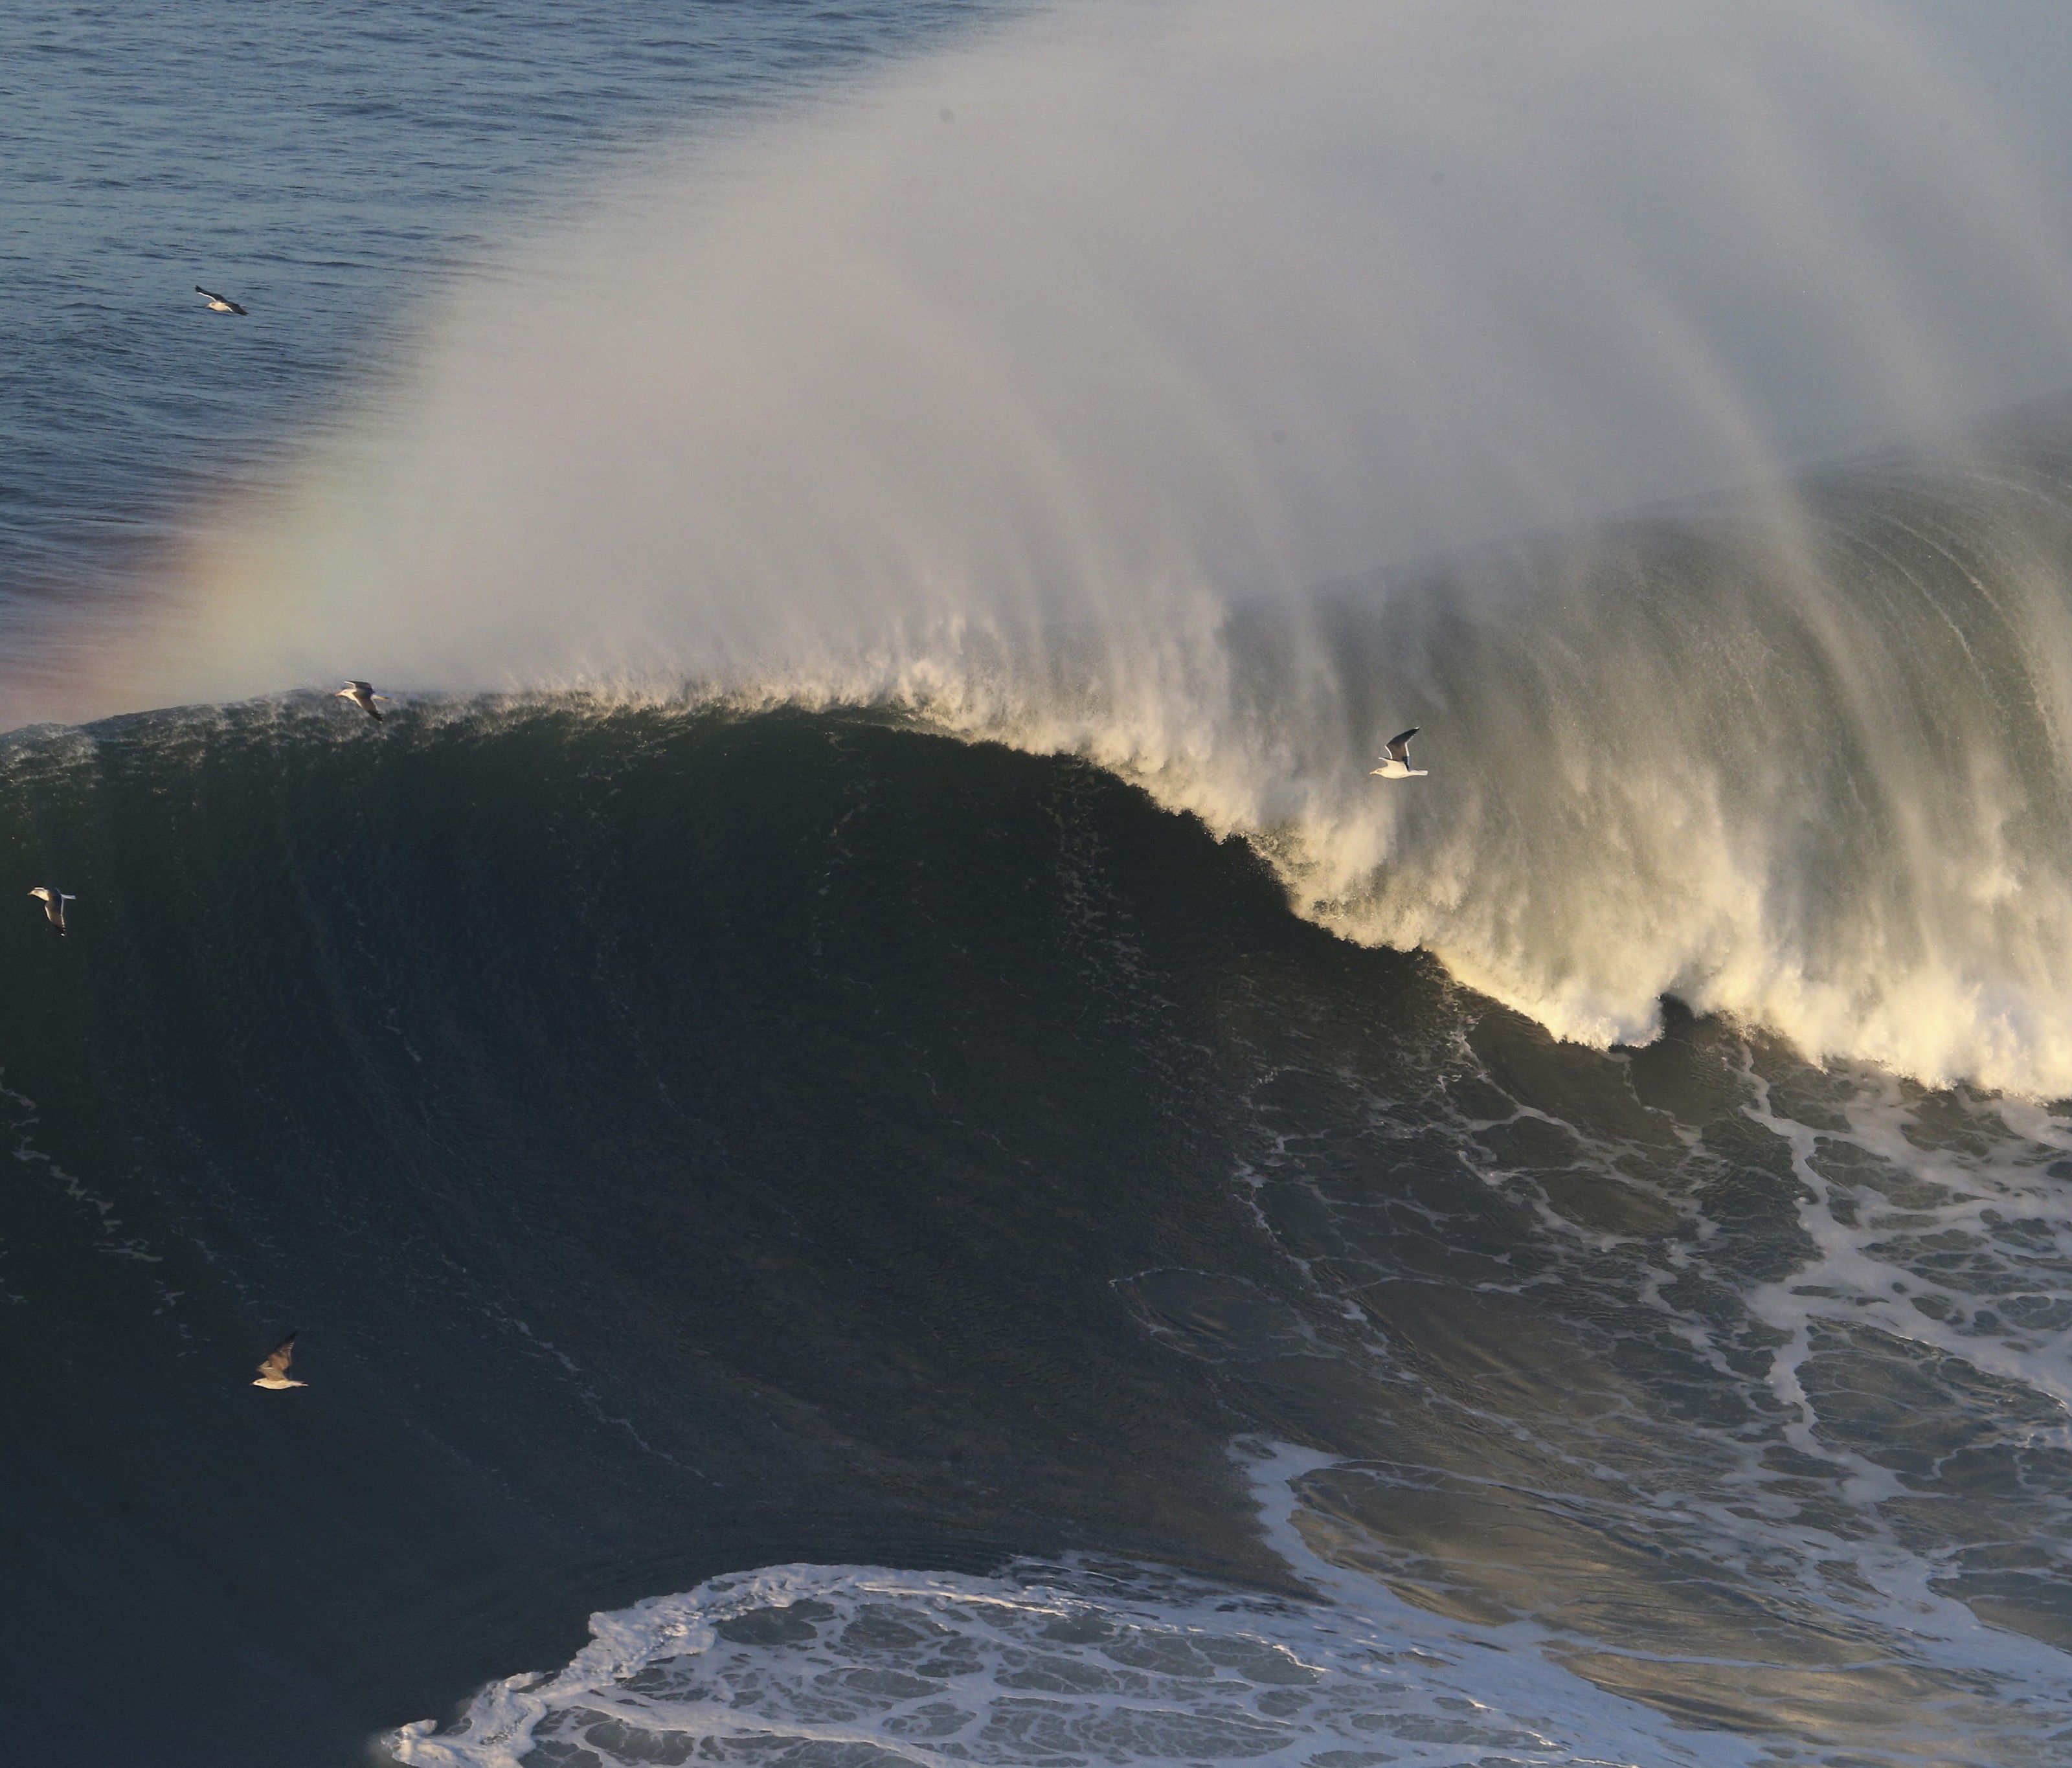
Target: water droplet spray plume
x=1034, y=390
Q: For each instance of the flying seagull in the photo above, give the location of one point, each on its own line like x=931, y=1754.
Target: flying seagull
x=362, y=697
x=274, y=1371
x=218, y=303
x=53, y=902
x=1395, y=764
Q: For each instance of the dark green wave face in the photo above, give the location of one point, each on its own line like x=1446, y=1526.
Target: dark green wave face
x=687, y=1143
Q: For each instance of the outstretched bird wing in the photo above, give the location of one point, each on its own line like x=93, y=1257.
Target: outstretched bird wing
x=1399, y=747
x=276, y=1365
x=213, y=296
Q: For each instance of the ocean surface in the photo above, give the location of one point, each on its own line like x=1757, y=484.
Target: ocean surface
x=883, y=1149
x=329, y=166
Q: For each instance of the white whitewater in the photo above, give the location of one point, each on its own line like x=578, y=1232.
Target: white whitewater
x=1079, y=1663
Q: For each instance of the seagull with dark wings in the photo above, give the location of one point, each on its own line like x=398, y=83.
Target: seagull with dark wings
x=53, y=902
x=362, y=697
x=274, y=1371
x=1395, y=764
x=218, y=303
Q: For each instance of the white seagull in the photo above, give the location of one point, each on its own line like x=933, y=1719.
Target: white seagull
x=53, y=902
x=362, y=697
x=218, y=303
x=1395, y=764
x=274, y=1371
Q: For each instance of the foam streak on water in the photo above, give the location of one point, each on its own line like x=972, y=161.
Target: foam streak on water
x=1755, y=1488
x=843, y=1666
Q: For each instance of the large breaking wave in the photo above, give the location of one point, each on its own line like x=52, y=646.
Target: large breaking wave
x=1033, y=391
x=705, y=1121
x=692, y=1143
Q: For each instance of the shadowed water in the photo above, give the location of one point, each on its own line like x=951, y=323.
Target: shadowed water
x=739, y=1142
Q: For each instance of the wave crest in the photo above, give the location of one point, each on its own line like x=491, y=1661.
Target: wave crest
x=1029, y=388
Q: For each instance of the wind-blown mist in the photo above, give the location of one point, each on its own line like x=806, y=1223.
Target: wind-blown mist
x=1033, y=391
